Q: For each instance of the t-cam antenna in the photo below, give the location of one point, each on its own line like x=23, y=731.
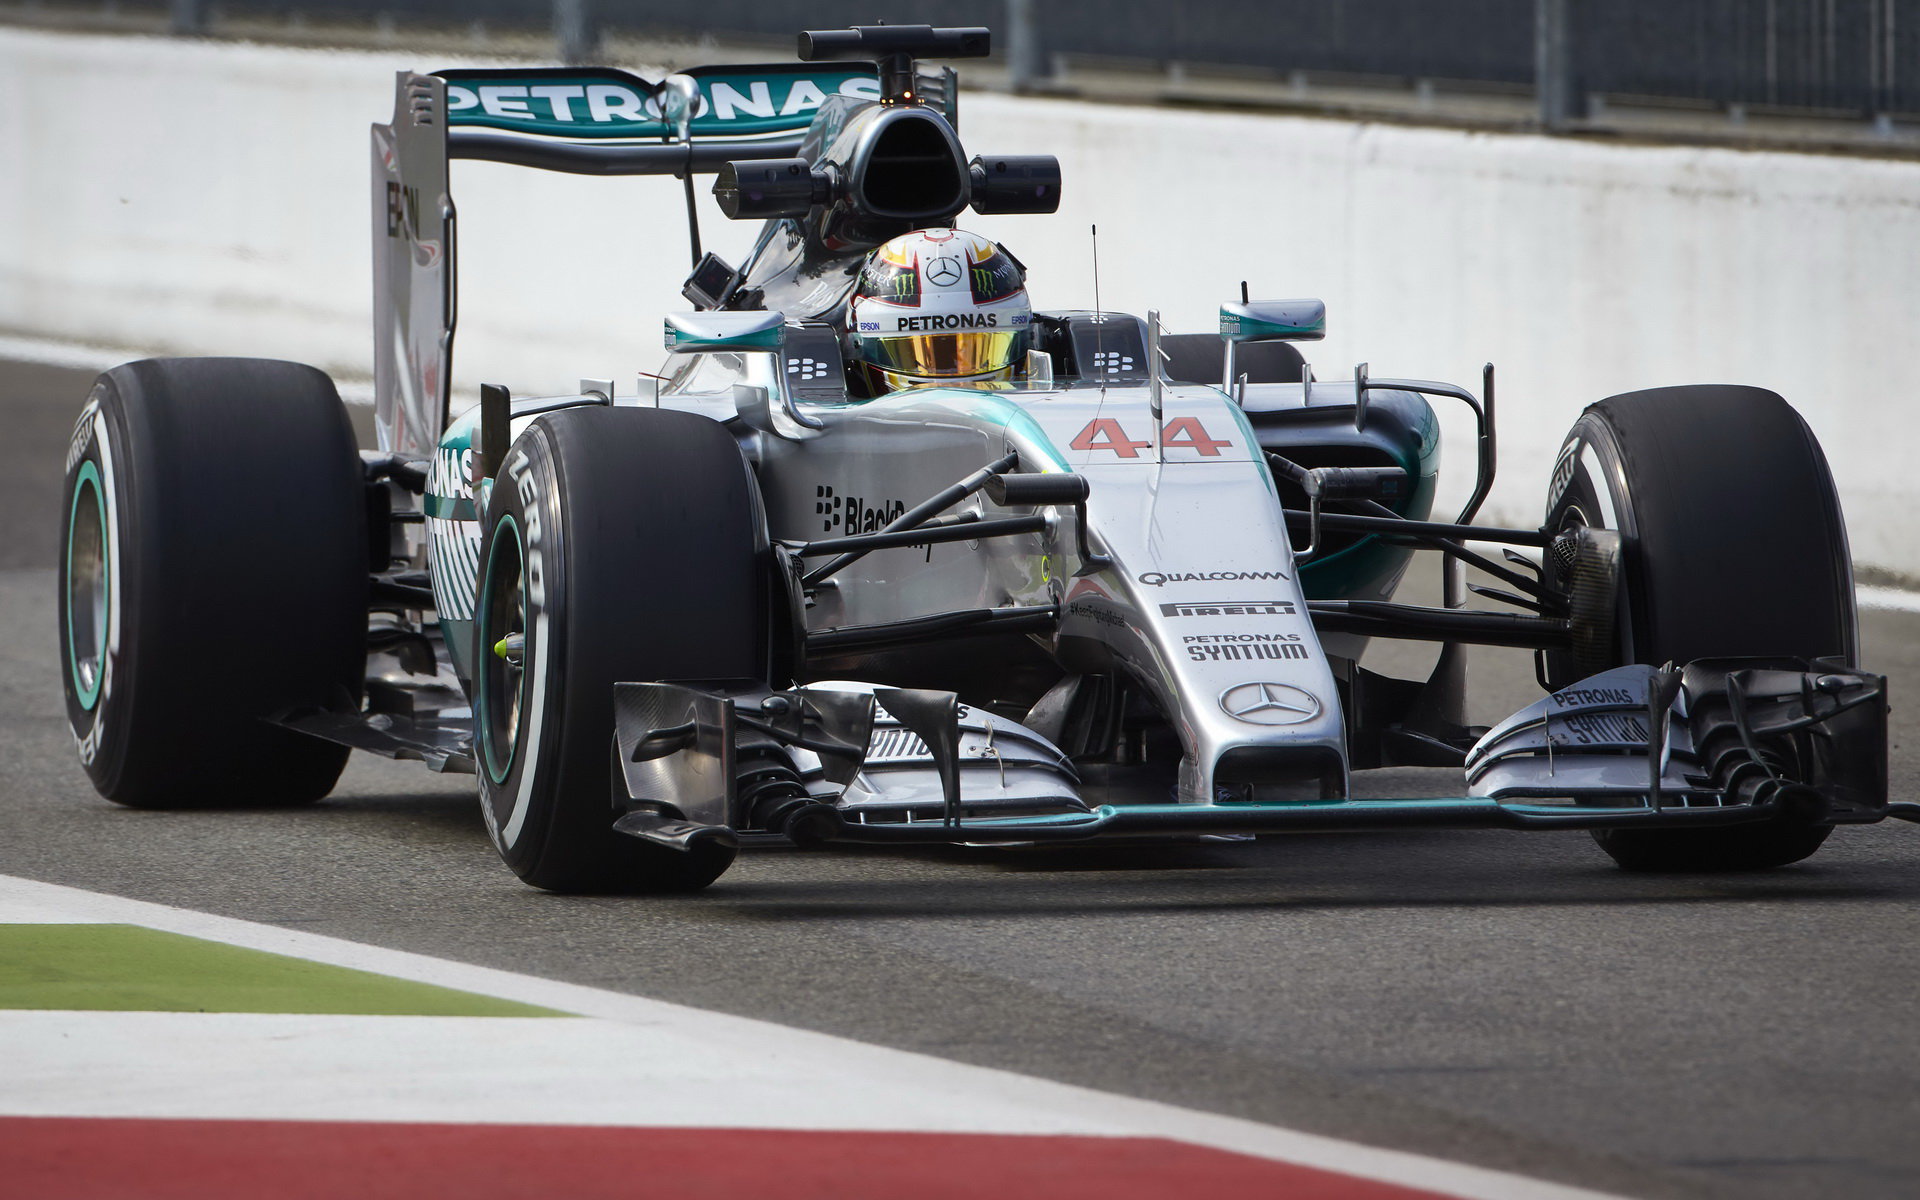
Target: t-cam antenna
x=893, y=49
x=1099, y=318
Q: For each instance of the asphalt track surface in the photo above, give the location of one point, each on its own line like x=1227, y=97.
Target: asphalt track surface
x=1504, y=999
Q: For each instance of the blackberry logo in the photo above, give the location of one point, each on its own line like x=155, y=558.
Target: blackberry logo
x=1112, y=362
x=852, y=514
x=806, y=369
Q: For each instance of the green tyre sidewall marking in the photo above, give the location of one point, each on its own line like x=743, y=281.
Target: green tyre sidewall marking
x=483, y=653
x=88, y=477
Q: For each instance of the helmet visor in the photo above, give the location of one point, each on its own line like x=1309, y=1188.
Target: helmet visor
x=945, y=355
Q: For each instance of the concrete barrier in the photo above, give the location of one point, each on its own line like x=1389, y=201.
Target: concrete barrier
x=210, y=198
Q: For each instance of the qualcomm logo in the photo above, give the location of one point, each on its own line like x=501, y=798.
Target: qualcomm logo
x=1269, y=704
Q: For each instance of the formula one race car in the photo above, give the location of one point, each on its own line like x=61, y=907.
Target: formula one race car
x=886, y=556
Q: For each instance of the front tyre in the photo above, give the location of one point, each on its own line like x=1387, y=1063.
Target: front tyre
x=213, y=575
x=1733, y=546
x=622, y=545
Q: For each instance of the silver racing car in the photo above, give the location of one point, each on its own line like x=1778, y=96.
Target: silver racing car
x=885, y=555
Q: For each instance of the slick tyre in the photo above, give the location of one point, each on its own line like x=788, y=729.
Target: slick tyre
x=213, y=575
x=623, y=545
x=1732, y=544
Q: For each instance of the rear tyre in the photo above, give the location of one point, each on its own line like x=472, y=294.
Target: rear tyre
x=1733, y=545
x=623, y=545
x=213, y=576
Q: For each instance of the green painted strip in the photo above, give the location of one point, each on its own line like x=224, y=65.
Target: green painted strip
x=130, y=968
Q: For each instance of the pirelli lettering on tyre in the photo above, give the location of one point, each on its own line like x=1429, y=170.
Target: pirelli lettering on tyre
x=1563, y=471
x=528, y=488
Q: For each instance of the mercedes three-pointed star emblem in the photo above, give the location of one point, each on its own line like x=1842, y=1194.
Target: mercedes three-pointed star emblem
x=1269, y=704
x=944, y=271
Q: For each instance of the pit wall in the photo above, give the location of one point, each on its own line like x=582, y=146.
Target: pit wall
x=213, y=199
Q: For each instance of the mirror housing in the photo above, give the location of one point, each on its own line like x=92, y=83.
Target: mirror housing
x=765, y=188
x=1015, y=183
x=698, y=332
x=1273, y=321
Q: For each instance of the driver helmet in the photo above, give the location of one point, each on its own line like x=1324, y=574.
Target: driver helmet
x=938, y=306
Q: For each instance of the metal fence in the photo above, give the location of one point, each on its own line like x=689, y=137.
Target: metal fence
x=1852, y=56
x=1831, y=54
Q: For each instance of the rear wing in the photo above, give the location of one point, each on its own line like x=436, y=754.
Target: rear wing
x=589, y=121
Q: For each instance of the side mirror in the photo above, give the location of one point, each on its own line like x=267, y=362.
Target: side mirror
x=1015, y=183
x=770, y=188
x=696, y=332
x=1273, y=321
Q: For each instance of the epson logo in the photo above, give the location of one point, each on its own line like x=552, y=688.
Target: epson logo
x=934, y=321
x=1158, y=578
x=1243, y=608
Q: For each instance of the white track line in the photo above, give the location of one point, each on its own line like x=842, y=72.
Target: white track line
x=79, y=356
x=1886, y=597
x=475, y=1070
x=681, y=1046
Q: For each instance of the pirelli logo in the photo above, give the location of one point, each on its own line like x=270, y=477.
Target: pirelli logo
x=1242, y=608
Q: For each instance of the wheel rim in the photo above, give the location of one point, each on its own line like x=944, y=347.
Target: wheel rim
x=88, y=592
x=1607, y=509
x=503, y=614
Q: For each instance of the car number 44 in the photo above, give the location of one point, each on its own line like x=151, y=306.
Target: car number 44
x=1181, y=433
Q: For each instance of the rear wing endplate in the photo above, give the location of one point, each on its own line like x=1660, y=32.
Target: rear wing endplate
x=413, y=293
